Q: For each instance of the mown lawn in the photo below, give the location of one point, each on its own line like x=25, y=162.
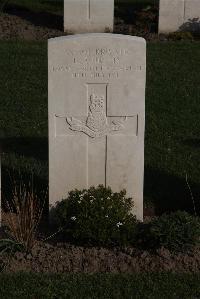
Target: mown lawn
x=172, y=144
x=105, y=286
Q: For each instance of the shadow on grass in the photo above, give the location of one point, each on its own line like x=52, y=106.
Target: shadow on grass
x=29, y=147
x=12, y=178
x=169, y=193
x=195, y=143
x=12, y=175
x=41, y=18
x=165, y=191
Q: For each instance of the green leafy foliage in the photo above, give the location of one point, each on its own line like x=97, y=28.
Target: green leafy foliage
x=100, y=217
x=96, y=216
x=175, y=36
x=10, y=246
x=177, y=231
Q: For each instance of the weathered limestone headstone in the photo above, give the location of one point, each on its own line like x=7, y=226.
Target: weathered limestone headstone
x=171, y=14
x=97, y=114
x=81, y=16
x=179, y=15
x=192, y=16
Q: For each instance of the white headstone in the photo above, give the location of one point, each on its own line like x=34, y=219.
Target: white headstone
x=179, y=15
x=192, y=15
x=97, y=114
x=81, y=16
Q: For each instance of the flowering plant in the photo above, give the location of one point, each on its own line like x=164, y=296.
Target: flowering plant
x=96, y=216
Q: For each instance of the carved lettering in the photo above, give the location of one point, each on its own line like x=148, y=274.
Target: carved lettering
x=97, y=63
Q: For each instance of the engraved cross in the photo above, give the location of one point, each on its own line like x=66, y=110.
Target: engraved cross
x=99, y=129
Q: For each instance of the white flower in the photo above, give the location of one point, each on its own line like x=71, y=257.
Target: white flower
x=108, y=197
x=92, y=198
x=106, y=216
x=73, y=218
x=102, y=198
x=119, y=224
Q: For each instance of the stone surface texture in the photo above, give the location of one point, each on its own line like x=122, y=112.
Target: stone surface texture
x=97, y=114
x=179, y=15
x=81, y=16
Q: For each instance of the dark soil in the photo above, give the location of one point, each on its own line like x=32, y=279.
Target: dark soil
x=20, y=23
x=15, y=27
x=68, y=258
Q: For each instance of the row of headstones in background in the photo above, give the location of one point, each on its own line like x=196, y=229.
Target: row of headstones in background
x=97, y=114
x=179, y=15
x=81, y=16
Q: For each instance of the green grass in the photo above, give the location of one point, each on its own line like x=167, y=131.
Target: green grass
x=23, y=112
x=172, y=144
x=105, y=286
x=172, y=122
x=23, y=92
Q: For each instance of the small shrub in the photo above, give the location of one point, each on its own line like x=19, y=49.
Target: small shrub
x=177, y=231
x=96, y=217
x=174, y=36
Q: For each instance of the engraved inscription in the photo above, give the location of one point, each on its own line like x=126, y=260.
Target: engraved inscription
x=99, y=63
x=96, y=124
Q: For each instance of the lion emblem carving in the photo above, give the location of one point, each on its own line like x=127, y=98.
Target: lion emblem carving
x=96, y=124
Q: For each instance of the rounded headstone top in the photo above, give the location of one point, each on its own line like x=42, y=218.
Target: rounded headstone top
x=97, y=35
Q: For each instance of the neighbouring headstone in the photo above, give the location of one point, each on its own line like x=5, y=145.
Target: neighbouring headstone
x=191, y=16
x=179, y=15
x=97, y=114
x=81, y=16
